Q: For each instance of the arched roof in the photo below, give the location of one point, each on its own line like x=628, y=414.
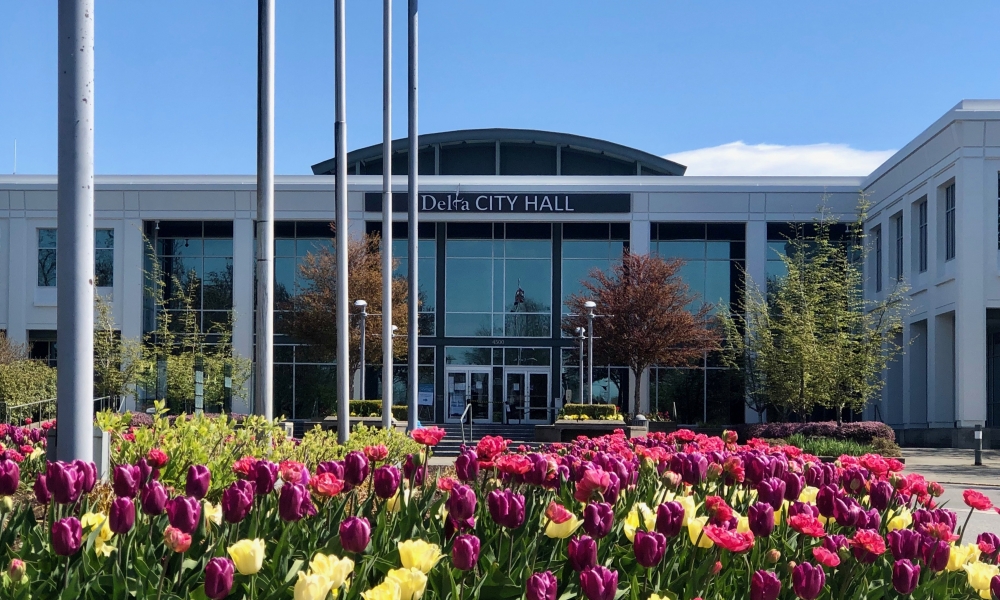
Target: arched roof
x=508, y=152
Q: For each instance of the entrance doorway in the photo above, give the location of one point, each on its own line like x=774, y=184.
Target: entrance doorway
x=527, y=395
x=469, y=387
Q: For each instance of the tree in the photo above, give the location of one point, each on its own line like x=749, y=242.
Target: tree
x=314, y=307
x=647, y=320
x=11, y=351
x=118, y=361
x=815, y=340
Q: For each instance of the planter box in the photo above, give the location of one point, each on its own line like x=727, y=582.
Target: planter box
x=568, y=430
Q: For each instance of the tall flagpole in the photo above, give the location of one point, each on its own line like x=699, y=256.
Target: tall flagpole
x=75, y=221
x=340, y=137
x=263, y=383
x=411, y=214
x=387, y=357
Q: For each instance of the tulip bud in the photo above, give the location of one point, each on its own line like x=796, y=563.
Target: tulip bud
x=16, y=570
x=237, y=500
x=714, y=471
x=153, y=499
x=461, y=503
x=218, y=578
x=669, y=517
x=355, y=468
x=581, y=553
x=542, y=586
x=386, y=481
x=772, y=557
x=465, y=552
x=294, y=502
x=905, y=576
x=176, y=540
x=764, y=585
x=648, y=547
x=467, y=466
x=264, y=474
x=42, y=495
x=10, y=477
x=199, y=479
x=599, y=583
x=8, y=504
x=125, y=480
x=355, y=533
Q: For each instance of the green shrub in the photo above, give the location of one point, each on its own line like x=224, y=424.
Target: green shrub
x=590, y=411
x=887, y=448
x=373, y=408
x=23, y=382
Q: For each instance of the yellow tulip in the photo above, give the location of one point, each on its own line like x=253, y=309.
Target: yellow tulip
x=91, y=521
x=695, y=528
x=742, y=524
x=213, y=513
x=690, y=509
x=387, y=590
x=401, y=499
x=411, y=582
x=562, y=530
x=961, y=556
x=900, y=520
x=336, y=570
x=808, y=494
x=980, y=575
x=248, y=555
x=657, y=597
x=418, y=554
x=311, y=586
x=631, y=524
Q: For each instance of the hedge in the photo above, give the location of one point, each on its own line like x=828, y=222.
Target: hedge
x=593, y=411
x=373, y=408
x=862, y=431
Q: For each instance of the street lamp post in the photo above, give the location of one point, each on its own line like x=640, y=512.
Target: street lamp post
x=590, y=305
x=581, y=333
x=361, y=304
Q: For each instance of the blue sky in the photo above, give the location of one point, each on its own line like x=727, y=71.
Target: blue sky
x=175, y=81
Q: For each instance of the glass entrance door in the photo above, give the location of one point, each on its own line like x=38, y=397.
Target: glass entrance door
x=527, y=395
x=469, y=387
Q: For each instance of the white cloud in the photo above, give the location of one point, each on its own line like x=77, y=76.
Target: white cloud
x=738, y=158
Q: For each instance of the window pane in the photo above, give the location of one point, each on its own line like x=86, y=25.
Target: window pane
x=717, y=282
x=683, y=388
x=312, y=246
x=284, y=247
x=218, y=283
x=218, y=247
x=534, y=278
x=427, y=283
x=527, y=325
x=104, y=272
x=467, y=324
x=586, y=249
x=284, y=279
x=104, y=238
x=315, y=391
x=46, y=267
x=685, y=250
x=183, y=247
x=724, y=397
x=469, y=285
x=482, y=248
x=528, y=249
x=717, y=249
x=467, y=356
x=46, y=238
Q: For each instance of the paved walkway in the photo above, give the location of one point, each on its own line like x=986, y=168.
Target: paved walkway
x=954, y=466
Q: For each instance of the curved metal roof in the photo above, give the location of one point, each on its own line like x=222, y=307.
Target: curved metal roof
x=645, y=162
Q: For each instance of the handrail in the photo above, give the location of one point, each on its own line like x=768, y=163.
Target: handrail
x=461, y=424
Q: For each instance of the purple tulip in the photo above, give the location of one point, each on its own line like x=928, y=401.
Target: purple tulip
x=64, y=482
x=581, y=553
x=847, y=512
x=461, y=504
x=153, y=499
x=386, y=480
x=355, y=533
x=121, y=515
x=198, y=480
x=88, y=471
x=816, y=475
x=10, y=477
x=614, y=489
x=995, y=586
x=542, y=586
x=935, y=554
x=67, y=536
x=825, y=499
x=669, y=517
x=991, y=539
x=801, y=508
x=793, y=486
x=649, y=548
x=294, y=502
x=41, y=489
x=355, y=468
x=467, y=466
x=870, y=519
x=834, y=543
x=237, y=500
x=853, y=480
x=125, y=480
x=598, y=518
x=145, y=472
x=465, y=552
x=413, y=471
x=506, y=508
x=695, y=468
x=263, y=475
x=539, y=471
x=771, y=491
x=219, y=578
x=764, y=585
x=184, y=513
x=756, y=468
x=599, y=583
x=761, y=518
x=807, y=581
x=905, y=576
x=880, y=495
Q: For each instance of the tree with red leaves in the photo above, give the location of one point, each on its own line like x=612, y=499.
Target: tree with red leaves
x=647, y=320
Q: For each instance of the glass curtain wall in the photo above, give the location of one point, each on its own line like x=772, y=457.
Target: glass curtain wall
x=426, y=269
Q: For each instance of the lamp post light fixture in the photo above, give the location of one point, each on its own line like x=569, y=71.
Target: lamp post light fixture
x=581, y=334
x=590, y=305
x=361, y=304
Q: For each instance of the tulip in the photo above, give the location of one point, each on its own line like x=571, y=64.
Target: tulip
x=825, y=498
x=412, y=583
x=563, y=529
x=264, y=474
x=386, y=481
x=121, y=515
x=247, y=555
x=598, y=518
x=10, y=477
x=64, y=482
x=16, y=570
x=125, y=480
x=145, y=472
x=670, y=518
x=764, y=585
x=594, y=483
x=88, y=473
x=465, y=552
x=218, y=578
x=41, y=489
x=314, y=586
x=198, y=480
x=695, y=467
x=176, y=540
x=880, y=494
x=807, y=581
x=599, y=583
x=772, y=491
x=355, y=533
x=294, y=502
x=853, y=480
x=581, y=553
x=184, y=513
x=794, y=484
x=542, y=586
x=355, y=468
x=994, y=586
x=461, y=503
x=757, y=467
x=980, y=576
x=387, y=590
x=870, y=519
x=649, y=548
x=904, y=544
x=153, y=498
x=67, y=536
x=847, y=512
x=418, y=554
x=467, y=466
x=761, y=518
x=936, y=554
x=506, y=508
x=905, y=576
x=335, y=570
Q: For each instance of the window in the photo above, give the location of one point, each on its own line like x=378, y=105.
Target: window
x=104, y=257
x=589, y=246
x=949, y=222
x=42, y=346
x=713, y=255
x=898, y=222
x=922, y=234
x=877, y=235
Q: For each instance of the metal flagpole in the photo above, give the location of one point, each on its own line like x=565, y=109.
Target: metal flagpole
x=411, y=213
x=263, y=385
x=387, y=357
x=340, y=136
x=75, y=248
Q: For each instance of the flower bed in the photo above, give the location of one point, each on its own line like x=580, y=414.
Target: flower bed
x=674, y=515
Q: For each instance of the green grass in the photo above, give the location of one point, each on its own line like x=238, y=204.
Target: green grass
x=829, y=446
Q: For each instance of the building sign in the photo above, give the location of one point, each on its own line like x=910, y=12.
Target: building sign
x=482, y=202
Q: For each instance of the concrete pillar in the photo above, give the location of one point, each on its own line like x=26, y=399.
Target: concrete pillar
x=21, y=289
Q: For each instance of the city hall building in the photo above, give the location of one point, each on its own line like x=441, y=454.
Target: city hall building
x=511, y=222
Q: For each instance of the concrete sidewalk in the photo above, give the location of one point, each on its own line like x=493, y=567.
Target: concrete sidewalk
x=954, y=466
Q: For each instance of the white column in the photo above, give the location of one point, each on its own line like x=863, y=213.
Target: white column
x=22, y=277
x=974, y=215
x=243, y=324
